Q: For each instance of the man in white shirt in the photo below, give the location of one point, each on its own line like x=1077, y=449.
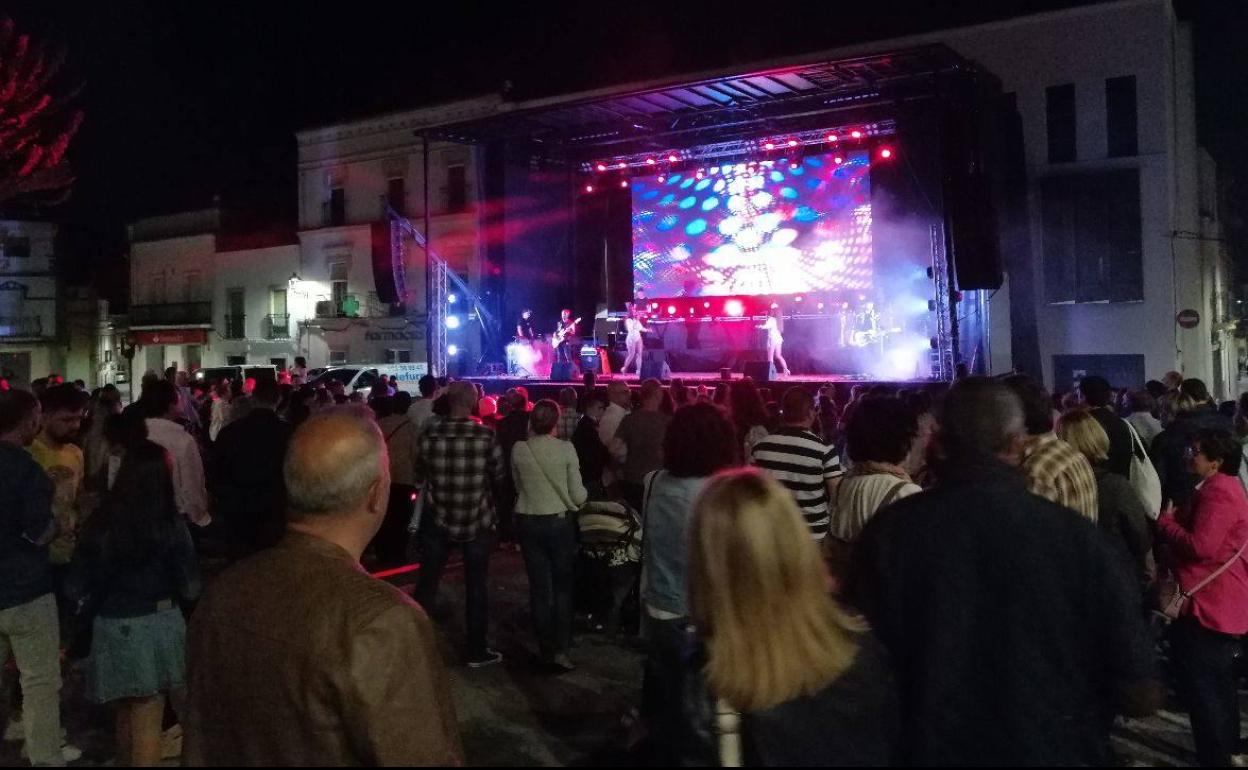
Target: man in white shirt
x=421, y=410
x=161, y=407
x=621, y=402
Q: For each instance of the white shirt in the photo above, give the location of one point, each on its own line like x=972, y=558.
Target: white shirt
x=420, y=412
x=633, y=327
x=612, y=416
x=548, y=477
x=188, y=468
x=772, y=327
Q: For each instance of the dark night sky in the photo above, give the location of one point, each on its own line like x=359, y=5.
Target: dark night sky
x=187, y=100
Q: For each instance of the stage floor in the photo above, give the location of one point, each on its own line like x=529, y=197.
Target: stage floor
x=499, y=384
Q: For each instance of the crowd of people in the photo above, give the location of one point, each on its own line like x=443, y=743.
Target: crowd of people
x=979, y=573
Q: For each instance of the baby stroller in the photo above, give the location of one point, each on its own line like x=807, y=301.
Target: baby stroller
x=608, y=562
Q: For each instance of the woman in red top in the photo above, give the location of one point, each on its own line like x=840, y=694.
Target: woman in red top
x=1208, y=535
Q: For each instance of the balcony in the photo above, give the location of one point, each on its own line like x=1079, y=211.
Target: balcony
x=277, y=327
x=235, y=327
x=172, y=314
x=21, y=326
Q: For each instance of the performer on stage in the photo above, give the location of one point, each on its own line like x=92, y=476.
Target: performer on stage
x=635, y=327
x=524, y=327
x=775, y=340
x=844, y=326
x=567, y=343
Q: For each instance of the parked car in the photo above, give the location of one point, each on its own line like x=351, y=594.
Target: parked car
x=357, y=378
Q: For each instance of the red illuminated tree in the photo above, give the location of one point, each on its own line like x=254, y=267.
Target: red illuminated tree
x=37, y=119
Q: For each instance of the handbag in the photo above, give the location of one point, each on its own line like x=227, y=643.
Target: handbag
x=1143, y=475
x=1172, y=599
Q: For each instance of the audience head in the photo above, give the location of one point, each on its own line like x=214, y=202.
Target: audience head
x=619, y=394
x=1196, y=390
x=651, y=394
x=123, y=430
x=798, y=408
x=699, y=442
x=337, y=473
x=747, y=405
x=567, y=398
x=680, y=394
x=62, y=407
x=487, y=407
x=1172, y=380
x=881, y=430
x=1140, y=400
x=1214, y=450
x=544, y=418
x=267, y=394
x=141, y=509
x=171, y=373
x=1082, y=431
x=461, y=398
x=402, y=401
x=1096, y=391
x=983, y=420
x=1156, y=389
x=595, y=405
x=160, y=400
x=19, y=417
x=758, y=590
x=428, y=385
x=1037, y=408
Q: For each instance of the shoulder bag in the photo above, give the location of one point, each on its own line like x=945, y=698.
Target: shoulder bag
x=1172, y=599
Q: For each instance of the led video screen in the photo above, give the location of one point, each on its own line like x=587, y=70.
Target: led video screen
x=766, y=228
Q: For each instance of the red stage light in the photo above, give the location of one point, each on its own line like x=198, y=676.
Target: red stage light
x=649, y=161
x=672, y=158
x=769, y=146
x=856, y=134
x=602, y=166
x=792, y=142
x=735, y=308
x=671, y=310
x=589, y=188
x=832, y=137
x=886, y=153
x=706, y=305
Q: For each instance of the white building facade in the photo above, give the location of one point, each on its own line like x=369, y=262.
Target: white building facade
x=31, y=344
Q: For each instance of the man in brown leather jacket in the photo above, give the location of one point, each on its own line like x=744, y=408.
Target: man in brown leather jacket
x=296, y=656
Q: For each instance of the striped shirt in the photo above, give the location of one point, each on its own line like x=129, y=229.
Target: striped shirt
x=800, y=461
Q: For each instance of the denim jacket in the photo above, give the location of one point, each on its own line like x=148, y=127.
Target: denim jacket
x=665, y=554
x=127, y=591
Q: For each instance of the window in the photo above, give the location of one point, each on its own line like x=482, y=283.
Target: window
x=338, y=286
x=194, y=286
x=279, y=320
x=108, y=355
x=456, y=188
x=1060, y=112
x=235, y=315
x=367, y=379
x=337, y=357
x=1121, y=137
x=280, y=363
x=16, y=246
x=398, y=356
x=337, y=207
x=1092, y=242
x=396, y=195
x=235, y=360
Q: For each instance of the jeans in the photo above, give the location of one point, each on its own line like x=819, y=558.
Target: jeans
x=32, y=634
x=548, y=544
x=390, y=543
x=1206, y=671
x=566, y=353
x=437, y=547
x=662, y=685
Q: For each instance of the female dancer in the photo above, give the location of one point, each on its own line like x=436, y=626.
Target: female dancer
x=775, y=340
x=634, y=327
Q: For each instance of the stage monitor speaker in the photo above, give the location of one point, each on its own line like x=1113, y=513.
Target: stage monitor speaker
x=389, y=273
x=760, y=371
x=590, y=361
x=563, y=371
x=654, y=365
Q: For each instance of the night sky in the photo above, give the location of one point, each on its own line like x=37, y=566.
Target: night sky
x=185, y=100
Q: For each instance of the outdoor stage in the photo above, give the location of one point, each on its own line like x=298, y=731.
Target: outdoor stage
x=546, y=388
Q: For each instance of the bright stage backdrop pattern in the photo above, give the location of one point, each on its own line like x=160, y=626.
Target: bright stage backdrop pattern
x=771, y=227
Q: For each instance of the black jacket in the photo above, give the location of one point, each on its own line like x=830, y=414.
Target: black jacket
x=1120, y=444
x=1013, y=622
x=1177, y=482
x=246, y=480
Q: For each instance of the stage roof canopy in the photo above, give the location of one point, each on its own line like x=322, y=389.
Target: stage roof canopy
x=691, y=109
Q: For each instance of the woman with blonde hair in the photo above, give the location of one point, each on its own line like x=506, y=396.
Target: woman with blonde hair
x=789, y=678
x=1120, y=511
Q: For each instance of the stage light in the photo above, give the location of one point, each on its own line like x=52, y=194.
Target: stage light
x=798, y=298
x=589, y=188
x=832, y=137
x=855, y=134
x=821, y=306
x=602, y=167
x=654, y=306
x=671, y=310
x=700, y=175
x=792, y=142
x=452, y=299
x=886, y=153
x=672, y=158
x=662, y=179
x=706, y=305
x=624, y=183
x=650, y=161
x=623, y=164
x=838, y=160
x=452, y=350
x=452, y=322
x=690, y=311
x=734, y=308
x=775, y=305
x=769, y=146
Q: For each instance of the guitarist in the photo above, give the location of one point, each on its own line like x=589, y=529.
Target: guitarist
x=567, y=341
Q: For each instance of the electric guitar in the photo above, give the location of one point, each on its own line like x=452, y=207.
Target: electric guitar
x=562, y=333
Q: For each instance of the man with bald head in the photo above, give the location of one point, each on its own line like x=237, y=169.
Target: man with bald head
x=462, y=464
x=1013, y=621
x=297, y=656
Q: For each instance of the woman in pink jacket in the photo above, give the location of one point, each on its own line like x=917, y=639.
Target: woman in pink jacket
x=1208, y=535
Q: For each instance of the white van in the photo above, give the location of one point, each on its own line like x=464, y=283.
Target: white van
x=360, y=378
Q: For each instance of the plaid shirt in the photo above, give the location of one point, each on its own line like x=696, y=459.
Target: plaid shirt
x=568, y=420
x=461, y=461
x=1057, y=471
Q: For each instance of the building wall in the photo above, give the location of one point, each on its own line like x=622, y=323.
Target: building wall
x=257, y=272
x=92, y=353
x=30, y=329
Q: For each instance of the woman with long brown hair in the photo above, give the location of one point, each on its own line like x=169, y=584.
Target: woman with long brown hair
x=806, y=681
